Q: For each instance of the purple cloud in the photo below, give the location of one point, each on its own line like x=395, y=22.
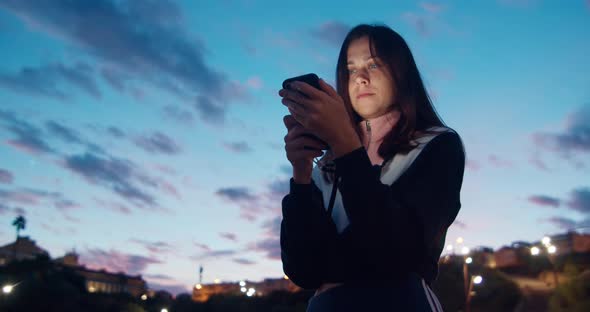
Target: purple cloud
x=244, y=261
x=35, y=197
x=6, y=176
x=236, y=194
x=432, y=7
x=237, y=147
x=116, y=132
x=563, y=223
x=178, y=114
x=118, y=175
x=145, y=40
x=575, y=137
x=157, y=142
x=580, y=200
x=64, y=133
x=66, y=204
x=419, y=22
x=114, y=206
x=331, y=32
x=249, y=204
x=543, y=200
x=499, y=162
x=203, y=247
x=28, y=136
x=214, y=254
x=43, y=81
x=459, y=224
x=4, y=209
x=154, y=247
x=270, y=243
x=115, y=261
x=229, y=236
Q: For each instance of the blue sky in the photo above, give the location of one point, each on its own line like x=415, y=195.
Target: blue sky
x=148, y=135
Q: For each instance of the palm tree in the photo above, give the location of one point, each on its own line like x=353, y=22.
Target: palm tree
x=20, y=222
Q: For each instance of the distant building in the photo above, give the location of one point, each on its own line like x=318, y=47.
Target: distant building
x=202, y=293
x=509, y=257
x=103, y=281
x=23, y=248
x=571, y=242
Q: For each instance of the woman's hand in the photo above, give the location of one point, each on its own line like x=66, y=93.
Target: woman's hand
x=302, y=148
x=322, y=112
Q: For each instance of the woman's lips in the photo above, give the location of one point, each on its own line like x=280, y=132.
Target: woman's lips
x=362, y=95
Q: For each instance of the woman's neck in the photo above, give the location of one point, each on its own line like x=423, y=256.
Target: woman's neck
x=374, y=130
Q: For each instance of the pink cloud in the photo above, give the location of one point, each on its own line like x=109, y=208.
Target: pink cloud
x=496, y=161
x=229, y=236
x=203, y=247
x=543, y=200
x=115, y=261
x=432, y=7
x=254, y=83
x=472, y=165
x=538, y=163
x=114, y=206
x=6, y=176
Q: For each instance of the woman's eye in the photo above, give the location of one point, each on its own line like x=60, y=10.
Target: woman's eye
x=373, y=66
x=351, y=71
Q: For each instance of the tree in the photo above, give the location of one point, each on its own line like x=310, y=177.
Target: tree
x=19, y=222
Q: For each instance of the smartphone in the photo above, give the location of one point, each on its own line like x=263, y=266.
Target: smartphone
x=311, y=79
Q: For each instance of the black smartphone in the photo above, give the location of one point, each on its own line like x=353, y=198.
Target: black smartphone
x=311, y=79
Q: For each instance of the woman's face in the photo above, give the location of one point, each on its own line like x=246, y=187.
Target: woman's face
x=370, y=83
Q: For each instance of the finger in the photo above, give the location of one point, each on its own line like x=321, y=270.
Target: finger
x=290, y=121
x=296, y=131
x=297, y=154
x=298, y=117
x=326, y=87
x=306, y=89
x=305, y=143
x=297, y=97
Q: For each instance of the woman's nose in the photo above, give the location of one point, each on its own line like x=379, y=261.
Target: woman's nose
x=362, y=77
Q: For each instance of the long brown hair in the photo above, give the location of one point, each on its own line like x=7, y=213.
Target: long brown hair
x=417, y=113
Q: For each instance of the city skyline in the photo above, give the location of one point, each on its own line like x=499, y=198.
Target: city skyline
x=148, y=135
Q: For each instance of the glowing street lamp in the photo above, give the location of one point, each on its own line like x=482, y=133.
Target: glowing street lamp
x=477, y=279
x=551, y=249
x=144, y=297
x=546, y=240
x=7, y=289
x=465, y=250
x=468, y=260
x=164, y=310
x=535, y=251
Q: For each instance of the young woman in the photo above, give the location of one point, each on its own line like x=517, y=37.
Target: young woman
x=367, y=225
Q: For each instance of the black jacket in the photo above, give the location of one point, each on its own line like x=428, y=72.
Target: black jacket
x=392, y=229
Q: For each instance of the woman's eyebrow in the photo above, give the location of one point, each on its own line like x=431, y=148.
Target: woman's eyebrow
x=366, y=59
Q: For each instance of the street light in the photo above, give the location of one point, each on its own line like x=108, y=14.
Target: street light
x=546, y=240
x=468, y=260
x=465, y=250
x=477, y=279
x=7, y=289
x=535, y=251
